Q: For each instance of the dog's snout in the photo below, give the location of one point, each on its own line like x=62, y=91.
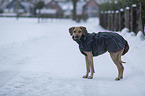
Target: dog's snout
x=76, y=36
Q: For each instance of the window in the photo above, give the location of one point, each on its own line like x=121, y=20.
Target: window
x=88, y=8
x=94, y=8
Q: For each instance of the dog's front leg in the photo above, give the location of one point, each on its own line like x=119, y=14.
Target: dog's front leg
x=90, y=59
x=87, y=67
x=90, y=62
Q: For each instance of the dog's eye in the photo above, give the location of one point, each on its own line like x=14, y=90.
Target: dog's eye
x=74, y=31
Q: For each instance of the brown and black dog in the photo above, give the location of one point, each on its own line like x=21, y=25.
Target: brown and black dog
x=89, y=45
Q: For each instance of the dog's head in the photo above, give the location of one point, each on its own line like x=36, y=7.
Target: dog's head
x=77, y=32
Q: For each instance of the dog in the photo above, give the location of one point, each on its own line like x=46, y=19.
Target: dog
x=94, y=44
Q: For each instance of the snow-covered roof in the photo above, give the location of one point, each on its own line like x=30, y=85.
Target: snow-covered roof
x=4, y=4
x=80, y=7
x=66, y=5
x=47, y=11
x=8, y=14
x=67, y=13
x=27, y=6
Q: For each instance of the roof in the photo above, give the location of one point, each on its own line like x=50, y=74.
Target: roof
x=54, y=5
x=27, y=5
x=47, y=11
x=66, y=5
x=13, y=4
x=4, y=4
x=91, y=3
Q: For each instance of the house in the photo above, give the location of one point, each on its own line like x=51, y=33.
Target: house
x=3, y=4
x=53, y=9
x=67, y=8
x=29, y=8
x=80, y=6
x=16, y=7
x=79, y=11
x=91, y=8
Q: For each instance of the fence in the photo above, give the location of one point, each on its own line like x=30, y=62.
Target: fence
x=130, y=17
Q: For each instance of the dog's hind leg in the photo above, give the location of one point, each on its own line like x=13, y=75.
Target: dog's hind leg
x=87, y=67
x=116, y=57
x=120, y=54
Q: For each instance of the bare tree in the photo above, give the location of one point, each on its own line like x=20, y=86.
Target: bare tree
x=39, y=6
x=74, y=8
x=17, y=9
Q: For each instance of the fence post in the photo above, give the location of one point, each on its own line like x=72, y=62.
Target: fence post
x=134, y=18
x=109, y=20
x=116, y=21
x=105, y=20
x=143, y=15
x=127, y=21
x=121, y=19
x=140, y=27
x=112, y=20
x=101, y=17
x=141, y=21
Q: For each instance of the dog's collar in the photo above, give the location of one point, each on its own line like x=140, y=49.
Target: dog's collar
x=84, y=37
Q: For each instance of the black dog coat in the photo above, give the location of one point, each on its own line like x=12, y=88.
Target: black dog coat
x=99, y=43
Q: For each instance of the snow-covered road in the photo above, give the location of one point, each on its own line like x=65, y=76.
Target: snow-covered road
x=41, y=59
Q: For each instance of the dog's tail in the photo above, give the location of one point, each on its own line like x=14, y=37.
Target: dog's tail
x=126, y=48
x=122, y=62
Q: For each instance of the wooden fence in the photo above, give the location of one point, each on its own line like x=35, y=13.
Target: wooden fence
x=130, y=18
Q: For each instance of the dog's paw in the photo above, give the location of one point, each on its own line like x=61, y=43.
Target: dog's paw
x=85, y=76
x=90, y=77
x=117, y=79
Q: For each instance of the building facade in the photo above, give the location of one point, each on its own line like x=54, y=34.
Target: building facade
x=91, y=8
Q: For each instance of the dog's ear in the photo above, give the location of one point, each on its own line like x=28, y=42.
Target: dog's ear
x=71, y=30
x=83, y=30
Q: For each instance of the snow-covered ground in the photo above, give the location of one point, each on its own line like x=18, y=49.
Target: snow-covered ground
x=41, y=59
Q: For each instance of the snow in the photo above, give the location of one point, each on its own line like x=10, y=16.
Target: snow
x=109, y=11
x=134, y=5
x=117, y=11
x=80, y=6
x=66, y=5
x=47, y=11
x=41, y=59
x=127, y=8
x=102, y=12
x=121, y=10
x=115, y=2
x=106, y=12
x=8, y=14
